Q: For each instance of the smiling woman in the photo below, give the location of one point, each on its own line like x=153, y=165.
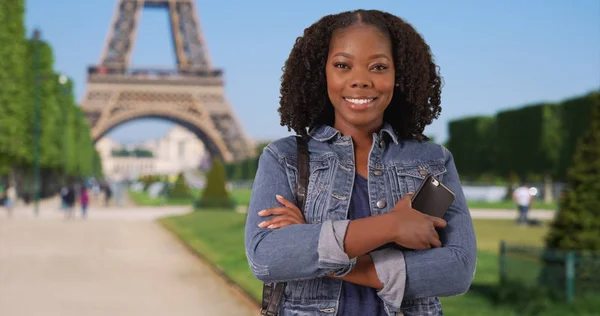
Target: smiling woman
x=359, y=87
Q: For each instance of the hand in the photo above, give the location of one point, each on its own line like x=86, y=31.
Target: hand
x=286, y=215
x=415, y=230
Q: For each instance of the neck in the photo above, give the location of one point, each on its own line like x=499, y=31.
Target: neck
x=362, y=136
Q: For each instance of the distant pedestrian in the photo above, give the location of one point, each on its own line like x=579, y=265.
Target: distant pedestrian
x=523, y=197
x=69, y=200
x=84, y=200
x=11, y=199
x=107, y=193
x=63, y=197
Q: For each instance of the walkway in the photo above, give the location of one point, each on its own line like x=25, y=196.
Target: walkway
x=118, y=263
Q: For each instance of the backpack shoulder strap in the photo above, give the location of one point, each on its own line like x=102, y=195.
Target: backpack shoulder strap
x=303, y=172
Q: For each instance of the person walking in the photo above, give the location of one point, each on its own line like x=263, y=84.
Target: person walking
x=84, y=199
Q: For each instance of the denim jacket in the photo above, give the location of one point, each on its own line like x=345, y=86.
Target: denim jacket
x=304, y=255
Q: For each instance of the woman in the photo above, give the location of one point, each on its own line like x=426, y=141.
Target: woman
x=360, y=87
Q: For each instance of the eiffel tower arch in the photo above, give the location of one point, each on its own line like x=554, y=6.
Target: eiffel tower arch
x=191, y=95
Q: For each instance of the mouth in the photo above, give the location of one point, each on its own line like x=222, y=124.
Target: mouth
x=360, y=103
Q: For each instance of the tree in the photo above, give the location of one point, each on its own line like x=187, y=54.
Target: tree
x=577, y=224
x=12, y=82
x=215, y=194
x=66, y=101
x=180, y=189
x=45, y=80
x=575, y=116
x=27, y=66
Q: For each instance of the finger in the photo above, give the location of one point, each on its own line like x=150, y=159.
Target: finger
x=281, y=224
x=278, y=211
x=436, y=235
x=407, y=199
x=287, y=203
x=435, y=241
x=273, y=211
x=438, y=222
x=279, y=218
x=282, y=218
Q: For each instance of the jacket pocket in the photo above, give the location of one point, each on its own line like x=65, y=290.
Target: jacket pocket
x=408, y=177
x=307, y=308
x=318, y=189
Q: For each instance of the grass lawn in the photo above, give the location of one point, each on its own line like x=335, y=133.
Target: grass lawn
x=219, y=236
x=241, y=196
x=510, y=205
x=489, y=233
x=142, y=199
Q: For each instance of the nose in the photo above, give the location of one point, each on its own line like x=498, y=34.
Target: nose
x=361, y=80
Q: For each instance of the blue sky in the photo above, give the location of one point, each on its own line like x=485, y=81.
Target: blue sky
x=493, y=55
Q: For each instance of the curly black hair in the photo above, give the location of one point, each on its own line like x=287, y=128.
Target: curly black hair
x=304, y=101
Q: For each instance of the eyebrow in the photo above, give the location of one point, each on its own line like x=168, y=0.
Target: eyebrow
x=370, y=57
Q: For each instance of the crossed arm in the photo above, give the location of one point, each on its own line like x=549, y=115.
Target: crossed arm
x=363, y=273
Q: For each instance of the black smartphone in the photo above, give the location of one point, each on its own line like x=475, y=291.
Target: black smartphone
x=432, y=197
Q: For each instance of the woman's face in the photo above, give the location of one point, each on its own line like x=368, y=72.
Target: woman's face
x=360, y=76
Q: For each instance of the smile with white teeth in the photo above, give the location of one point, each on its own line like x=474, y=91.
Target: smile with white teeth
x=359, y=101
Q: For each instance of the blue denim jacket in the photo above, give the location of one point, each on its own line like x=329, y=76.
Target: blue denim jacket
x=303, y=255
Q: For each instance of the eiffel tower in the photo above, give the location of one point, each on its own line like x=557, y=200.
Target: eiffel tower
x=191, y=95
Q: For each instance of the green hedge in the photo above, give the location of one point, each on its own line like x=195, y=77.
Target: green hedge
x=472, y=142
x=529, y=142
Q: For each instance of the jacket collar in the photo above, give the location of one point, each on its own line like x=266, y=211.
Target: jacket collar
x=323, y=133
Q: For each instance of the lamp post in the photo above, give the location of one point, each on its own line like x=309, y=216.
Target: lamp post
x=36, y=119
x=62, y=80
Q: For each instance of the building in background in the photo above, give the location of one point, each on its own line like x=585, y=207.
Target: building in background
x=179, y=150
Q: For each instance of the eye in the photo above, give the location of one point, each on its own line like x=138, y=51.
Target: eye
x=341, y=65
x=380, y=67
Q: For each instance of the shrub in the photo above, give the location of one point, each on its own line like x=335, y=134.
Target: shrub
x=215, y=194
x=180, y=190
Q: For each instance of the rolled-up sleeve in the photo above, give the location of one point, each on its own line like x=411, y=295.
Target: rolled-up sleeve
x=294, y=252
x=331, y=248
x=391, y=271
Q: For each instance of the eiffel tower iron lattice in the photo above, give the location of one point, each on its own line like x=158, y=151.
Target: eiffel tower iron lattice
x=191, y=95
